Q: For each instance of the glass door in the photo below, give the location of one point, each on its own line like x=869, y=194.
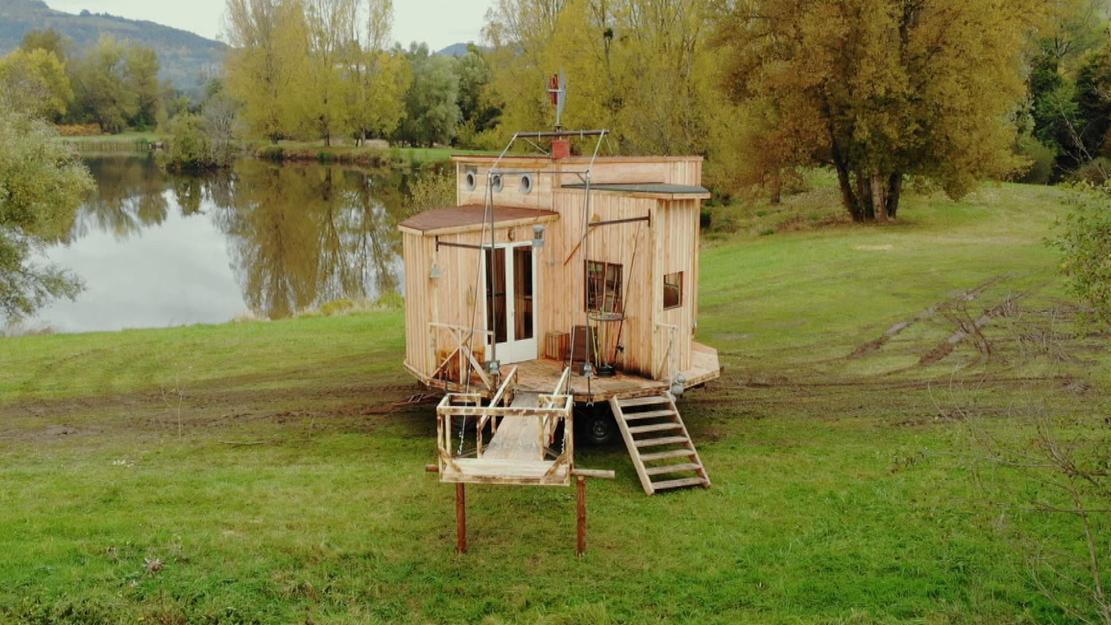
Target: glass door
x=511, y=312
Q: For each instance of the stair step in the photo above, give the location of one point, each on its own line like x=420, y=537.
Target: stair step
x=664, y=455
x=650, y=414
x=673, y=468
x=656, y=427
x=680, y=483
x=643, y=401
x=667, y=440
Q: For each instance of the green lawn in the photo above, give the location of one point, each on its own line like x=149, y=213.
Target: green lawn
x=275, y=472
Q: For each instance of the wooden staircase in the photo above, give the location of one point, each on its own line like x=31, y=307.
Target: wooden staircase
x=658, y=442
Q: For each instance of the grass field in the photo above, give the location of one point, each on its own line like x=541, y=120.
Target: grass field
x=272, y=473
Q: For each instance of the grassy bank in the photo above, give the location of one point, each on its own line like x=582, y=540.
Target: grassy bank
x=132, y=141
x=272, y=472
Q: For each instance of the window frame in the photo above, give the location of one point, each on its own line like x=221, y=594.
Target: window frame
x=619, y=297
x=682, y=281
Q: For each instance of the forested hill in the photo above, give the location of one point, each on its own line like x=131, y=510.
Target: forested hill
x=184, y=56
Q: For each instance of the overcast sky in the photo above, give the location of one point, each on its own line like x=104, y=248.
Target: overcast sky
x=440, y=23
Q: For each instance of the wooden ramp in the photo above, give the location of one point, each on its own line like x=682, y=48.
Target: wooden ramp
x=658, y=442
x=518, y=439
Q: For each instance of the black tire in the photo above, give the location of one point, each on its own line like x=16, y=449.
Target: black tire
x=598, y=429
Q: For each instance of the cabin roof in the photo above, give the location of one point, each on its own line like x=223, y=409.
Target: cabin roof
x=656, y=188
x=470, y=217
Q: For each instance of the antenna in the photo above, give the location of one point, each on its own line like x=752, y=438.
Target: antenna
x=557, y=95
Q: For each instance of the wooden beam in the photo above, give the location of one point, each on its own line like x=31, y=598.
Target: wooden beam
x=612, y=222
x=595, y=473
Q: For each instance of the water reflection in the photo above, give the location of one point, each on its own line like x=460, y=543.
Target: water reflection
x=161, y=249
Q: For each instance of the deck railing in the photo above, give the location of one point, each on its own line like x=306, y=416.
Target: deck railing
x=456, y=410
x=461, y=357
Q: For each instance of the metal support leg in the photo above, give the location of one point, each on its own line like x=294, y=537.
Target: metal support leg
x=460, y=518
x=580, y=487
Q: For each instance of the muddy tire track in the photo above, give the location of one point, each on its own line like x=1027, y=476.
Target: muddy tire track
x=964, y=296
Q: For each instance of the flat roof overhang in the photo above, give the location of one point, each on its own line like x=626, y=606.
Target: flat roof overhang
x=656, y=190
x=471, y=218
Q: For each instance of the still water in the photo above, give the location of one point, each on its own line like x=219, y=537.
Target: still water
x=155, y=249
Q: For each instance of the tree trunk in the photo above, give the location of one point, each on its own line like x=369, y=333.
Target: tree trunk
x=864, y=197
x=879, y=196
x=894, y=192
x=777, y=188
x=848, y=198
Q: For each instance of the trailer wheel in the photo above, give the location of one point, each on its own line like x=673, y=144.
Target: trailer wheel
x=599, y=428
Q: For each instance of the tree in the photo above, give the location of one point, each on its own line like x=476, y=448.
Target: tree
x=1075, y=29
x=378, y=79
x=141, y=71
x=1093, y=102
x=116, y=85
x=431, y=111
x=267, y=67
x=641, y=68
x=35, y=82
x=41, y=185
x=477, y=113
x=885, y=89
x=333, y=48
x=48, y=40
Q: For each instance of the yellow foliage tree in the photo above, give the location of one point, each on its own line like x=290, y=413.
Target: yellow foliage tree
x=880, y=89
x=377, y=79
x=641, y=68
x=268, y=66
x=35, y=82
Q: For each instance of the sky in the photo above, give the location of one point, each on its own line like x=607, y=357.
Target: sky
x=439, y=23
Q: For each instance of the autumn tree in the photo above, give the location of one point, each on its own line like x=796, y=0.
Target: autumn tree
x=41, y=185
x=333, y=47
x=34, y=81
x=267, y=67
x=48, y=40
x=641, y=68
x=884, y=90
x=378, y=78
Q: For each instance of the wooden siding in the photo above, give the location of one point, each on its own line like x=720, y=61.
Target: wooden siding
x=677, y=251
x=670, y=243
x=612, y=244
x=669, y=170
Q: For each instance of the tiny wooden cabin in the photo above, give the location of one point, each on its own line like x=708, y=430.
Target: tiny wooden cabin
x=608, y=275
x=553, y=282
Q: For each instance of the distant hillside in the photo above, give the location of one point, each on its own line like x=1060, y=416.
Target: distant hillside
x=184, y=56
x=455, y=49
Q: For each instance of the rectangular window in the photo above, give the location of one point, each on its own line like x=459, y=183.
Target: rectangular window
x=673, y=290
x=604, y=287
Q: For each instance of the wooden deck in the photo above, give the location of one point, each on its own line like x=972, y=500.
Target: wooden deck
x=540, y=375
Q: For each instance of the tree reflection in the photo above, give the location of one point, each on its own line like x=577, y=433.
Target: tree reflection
x=299, y=235
x=306, y=235
x=130, y=196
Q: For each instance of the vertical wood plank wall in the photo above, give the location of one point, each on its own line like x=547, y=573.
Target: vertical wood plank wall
x=669, y=245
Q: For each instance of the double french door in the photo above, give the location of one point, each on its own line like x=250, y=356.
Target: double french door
x=511, y=313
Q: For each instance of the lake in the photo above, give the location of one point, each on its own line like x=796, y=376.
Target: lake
x=157, y=249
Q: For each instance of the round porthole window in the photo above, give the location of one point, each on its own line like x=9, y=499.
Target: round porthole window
x=526, y=184
x=495, y=183
x=470, y=181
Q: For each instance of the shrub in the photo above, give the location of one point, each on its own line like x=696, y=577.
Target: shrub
x=189, y=147
x=1041, y=158
x=1085, y=241
x=1096, y=172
